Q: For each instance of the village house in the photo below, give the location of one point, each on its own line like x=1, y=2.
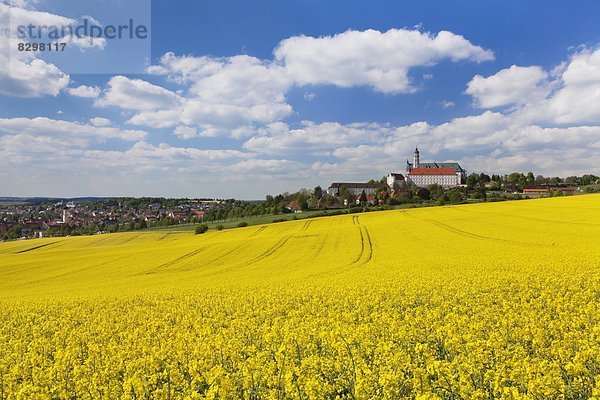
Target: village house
x=546, y=191
x=395, y=180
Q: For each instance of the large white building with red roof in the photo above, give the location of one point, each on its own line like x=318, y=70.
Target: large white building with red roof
x=447, y=175
x=443, y=176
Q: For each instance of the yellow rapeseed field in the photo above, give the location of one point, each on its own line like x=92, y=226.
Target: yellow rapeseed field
x=465, y=302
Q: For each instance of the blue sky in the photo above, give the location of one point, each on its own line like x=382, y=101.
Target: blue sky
x=240, y=99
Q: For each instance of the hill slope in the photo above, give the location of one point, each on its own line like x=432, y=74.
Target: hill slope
x=485, y=237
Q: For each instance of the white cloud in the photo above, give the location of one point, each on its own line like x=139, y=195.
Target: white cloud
x=577, y=100
x=66, y=130
x=583, y=69
x=25, y=76
x=19, y=14
x=231, y=96
x=84, y=43
x=514, y=85
x=99, y=121
x=137, y=94
x=316, y=139
x=90, y=92
x=21, y=74
x=224, y=96
x=185, y=132
x=377, y=59
x=309, y=96
x=569, y=94
x=157, y=119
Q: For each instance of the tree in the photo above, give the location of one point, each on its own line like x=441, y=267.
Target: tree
x=200, y=229
x=317, y=192
x=363, y=197
x=472, y=180
x=423, y=194
x=13, y=233
x=436, y=191
x=530, y=178
x=455, y=196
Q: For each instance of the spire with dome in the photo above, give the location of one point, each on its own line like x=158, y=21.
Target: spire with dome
x=416, y=158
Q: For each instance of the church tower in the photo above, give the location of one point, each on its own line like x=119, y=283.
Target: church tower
x=416, y=158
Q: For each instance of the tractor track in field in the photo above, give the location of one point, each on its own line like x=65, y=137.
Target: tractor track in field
x=269, y=252
x=72, y=272
x=100, y=240
x=35, y=248
x=369, y=247
x=178, y=259
x=536, y=219
x=273, y=249
x=258, y=231
x=362, y=247
x=470, y=235
x=305, y=226
x=131, y=238
x=366, y=245
x=214, y=260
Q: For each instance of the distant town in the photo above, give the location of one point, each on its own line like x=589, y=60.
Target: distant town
x=420, y=184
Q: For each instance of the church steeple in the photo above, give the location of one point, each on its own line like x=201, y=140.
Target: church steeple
x=416, y=158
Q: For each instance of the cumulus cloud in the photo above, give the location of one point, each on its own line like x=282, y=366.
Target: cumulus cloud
x=233, y=96
x=316, y=139
x=20, y=14
x=577, y=99
x=569, y=94
x=66, y=130
x=377, y=59
x=30, y=78
x=185, y=132
x=514, y=85
x=90, y=92
x=137, y=94
x=84, y=43
x=23, y=74
x=99, y=121
x=224, y=96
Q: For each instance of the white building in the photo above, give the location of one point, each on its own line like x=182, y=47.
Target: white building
x=445, y=177
x=395, y=180
x=444, y=174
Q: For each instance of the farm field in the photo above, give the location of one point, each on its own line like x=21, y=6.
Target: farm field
x=480, y=301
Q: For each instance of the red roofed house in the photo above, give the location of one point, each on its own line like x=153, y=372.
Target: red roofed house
x=370, y=199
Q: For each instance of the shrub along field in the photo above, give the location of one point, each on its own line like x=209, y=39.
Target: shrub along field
x=479, y=301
